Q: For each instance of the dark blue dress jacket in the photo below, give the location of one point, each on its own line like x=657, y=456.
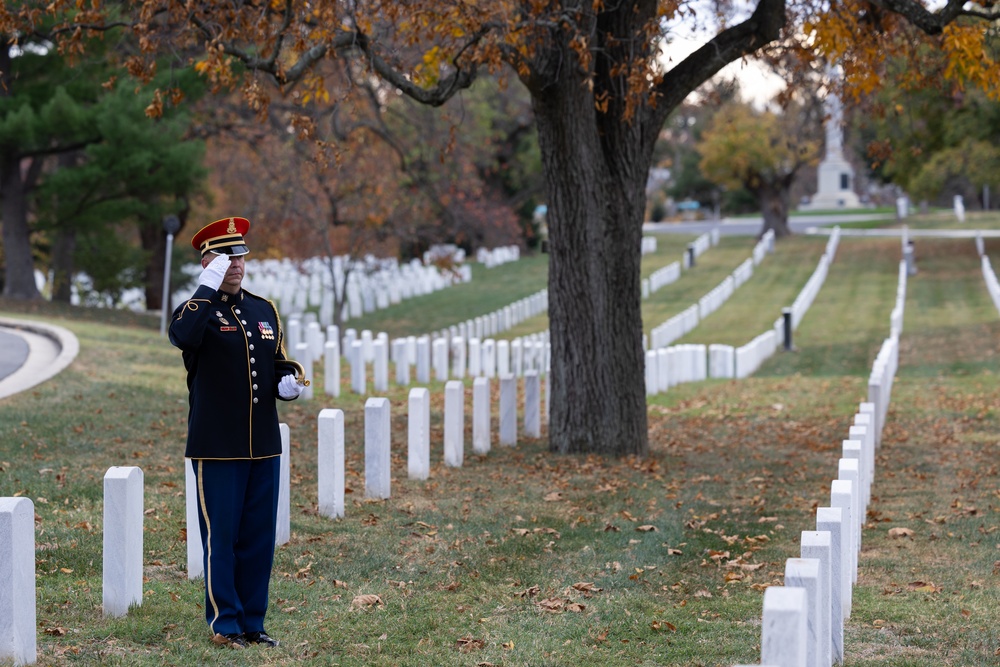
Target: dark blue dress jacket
x=229, y=344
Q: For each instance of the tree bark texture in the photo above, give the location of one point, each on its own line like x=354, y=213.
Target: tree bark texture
x=19, y=266
x=596, y=198
x=19, y=270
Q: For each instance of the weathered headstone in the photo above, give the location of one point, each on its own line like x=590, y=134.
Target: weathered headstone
x=816, y=544
x=367, y=339
x=303, y=354
x=475, y=358
x=458, y=357
x=423, y=359
x=282, y=530
x=481, y=415
x=381, y=351
x=359, y=375
x=454, y=423
x=783, y=632
x=123, y=512
x=804, y=573
x=440, y=354
x=652, y=373
x=842, y=496
x=18, y=633
x=532, y=405
x=402, y=362
x=377, y=448
x=330, y=462
x=419, y=434
x=508, y=410
x=831, y=520
x=503, y=358
x=848, y=470
x=489, y=358
x=331, y=370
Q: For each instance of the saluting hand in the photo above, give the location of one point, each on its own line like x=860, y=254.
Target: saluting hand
x=213, y=274
x=288, y=388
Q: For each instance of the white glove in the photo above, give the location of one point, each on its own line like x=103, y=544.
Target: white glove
x=213, y=274
x=288, y=388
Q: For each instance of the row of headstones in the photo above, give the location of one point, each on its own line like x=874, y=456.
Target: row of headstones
x=700, y=246
x=497, y=256
x=669, y=366
x=803, y=621
x=992, y=285
x=809, y=291
x=378, y=439
x=371, y=284
x=685, y=321
x=455, y=358
x=647, y=245
x=307, y=328
x=124, y=495
x=662, y=277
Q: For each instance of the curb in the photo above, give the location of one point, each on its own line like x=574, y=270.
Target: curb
x=68, y=344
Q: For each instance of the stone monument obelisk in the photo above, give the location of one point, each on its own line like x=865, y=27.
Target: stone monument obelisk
x=835, y=175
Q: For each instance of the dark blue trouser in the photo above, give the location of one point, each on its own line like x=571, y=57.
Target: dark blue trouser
x=237, y=513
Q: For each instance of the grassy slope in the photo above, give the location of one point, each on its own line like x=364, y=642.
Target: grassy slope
x=736, y=471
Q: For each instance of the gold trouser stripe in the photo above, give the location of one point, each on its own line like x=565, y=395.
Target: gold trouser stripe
x=207, y=545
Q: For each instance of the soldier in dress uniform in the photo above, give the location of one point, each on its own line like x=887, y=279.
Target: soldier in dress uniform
x=231, y=340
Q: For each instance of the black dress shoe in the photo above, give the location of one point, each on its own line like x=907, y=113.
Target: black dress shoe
x=232, y=640
x=260, y=637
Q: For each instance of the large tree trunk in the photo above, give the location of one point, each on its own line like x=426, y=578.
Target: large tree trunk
x=594, y=183
x=774, y=200
x=19, y=272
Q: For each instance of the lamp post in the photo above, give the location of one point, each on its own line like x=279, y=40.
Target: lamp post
x=171, y=225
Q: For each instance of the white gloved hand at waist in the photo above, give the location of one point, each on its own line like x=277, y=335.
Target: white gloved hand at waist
x=288, y=388
x=213, y=274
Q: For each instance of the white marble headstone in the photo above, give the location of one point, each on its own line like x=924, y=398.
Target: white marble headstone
x=330, y=462
x=18, y=632
x=123, y=513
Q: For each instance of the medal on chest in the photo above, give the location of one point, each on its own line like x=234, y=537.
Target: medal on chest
x=266, y=332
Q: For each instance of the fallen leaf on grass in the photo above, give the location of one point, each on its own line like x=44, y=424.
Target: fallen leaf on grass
x=554, y=496
x=900, y=532
x=367, y=600
x=575, y=607
x=663, y=625
x=586, y=587
x=646, y=529
x=55, y=632
x=469, y=644
x=923, y=587
x=552, y=605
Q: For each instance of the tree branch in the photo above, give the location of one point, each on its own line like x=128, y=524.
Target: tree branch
x=930, y=22
x=763, y=26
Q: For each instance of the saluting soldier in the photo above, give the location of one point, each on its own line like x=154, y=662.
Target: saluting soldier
x=232, y=343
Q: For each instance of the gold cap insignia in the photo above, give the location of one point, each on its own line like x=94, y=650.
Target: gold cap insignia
x=231, y=229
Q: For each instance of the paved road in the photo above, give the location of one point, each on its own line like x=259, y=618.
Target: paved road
x=13, y=352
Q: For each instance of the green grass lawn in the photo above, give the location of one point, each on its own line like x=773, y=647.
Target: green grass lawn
x=525, y=558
